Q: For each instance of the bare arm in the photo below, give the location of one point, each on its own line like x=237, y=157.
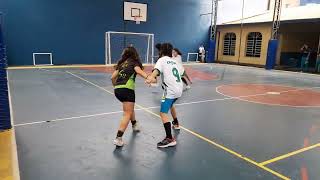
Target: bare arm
x=140, y=72
x=114, y=77
x=153, y=77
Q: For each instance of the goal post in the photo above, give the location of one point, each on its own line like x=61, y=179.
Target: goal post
x=193, y=57
x=115, y=42
x=47, y=62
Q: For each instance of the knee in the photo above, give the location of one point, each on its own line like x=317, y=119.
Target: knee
x=128, y=113
x=163, y=115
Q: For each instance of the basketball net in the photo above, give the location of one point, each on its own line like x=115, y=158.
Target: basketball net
x=137, y=19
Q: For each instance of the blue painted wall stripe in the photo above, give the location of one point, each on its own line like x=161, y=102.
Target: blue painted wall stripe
x=74, y=30
x=5, y=119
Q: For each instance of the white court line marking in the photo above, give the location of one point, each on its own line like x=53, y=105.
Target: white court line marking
x=69, y=118
x=267, y=93
x=273, y=93
x=262, y=69
x=64, y=72
x=78, y=117
x=155, y=107
x=199, y=136
x=117, y=112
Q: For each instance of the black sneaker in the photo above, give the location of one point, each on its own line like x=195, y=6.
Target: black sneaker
x=167, y=142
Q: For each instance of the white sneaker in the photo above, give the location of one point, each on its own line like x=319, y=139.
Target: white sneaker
x=188, y=87
x=136, y=127
x=118, y=142
x=175, y=126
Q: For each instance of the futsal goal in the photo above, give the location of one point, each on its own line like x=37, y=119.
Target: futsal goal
x=115, y=42
x=193, y=57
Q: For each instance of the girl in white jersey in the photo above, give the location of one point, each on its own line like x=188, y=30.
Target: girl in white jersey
x=176, y=55
x=173, y=87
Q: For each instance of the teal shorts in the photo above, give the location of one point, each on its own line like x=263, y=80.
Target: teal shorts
x=167, y=104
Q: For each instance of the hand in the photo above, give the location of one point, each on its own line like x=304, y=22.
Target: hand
x=147, y=81
x=150, y=80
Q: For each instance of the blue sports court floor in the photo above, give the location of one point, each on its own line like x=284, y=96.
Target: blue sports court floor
x=238, y=123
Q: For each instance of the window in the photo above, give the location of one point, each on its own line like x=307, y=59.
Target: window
x=229, y=44
x=254, y=41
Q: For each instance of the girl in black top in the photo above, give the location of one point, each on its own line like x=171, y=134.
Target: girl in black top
x=123, y=80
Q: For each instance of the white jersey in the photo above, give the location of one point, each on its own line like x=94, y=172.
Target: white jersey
x=178, y=59
x=171, y=77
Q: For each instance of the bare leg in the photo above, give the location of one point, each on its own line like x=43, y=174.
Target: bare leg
x=133, y=116
x=128, y=110
x=169, y=140
x=186, y=75
x=175, y=122
x=166, y=124
x=135, y=125
x=173, y=112
x=164, y=118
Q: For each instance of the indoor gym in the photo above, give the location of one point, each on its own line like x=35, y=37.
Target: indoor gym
x=238, y=122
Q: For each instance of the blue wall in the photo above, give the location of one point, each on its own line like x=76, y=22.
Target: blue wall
x=304, y=2
x=74, y=30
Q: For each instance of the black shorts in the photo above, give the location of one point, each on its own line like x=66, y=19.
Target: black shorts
x=125, y=95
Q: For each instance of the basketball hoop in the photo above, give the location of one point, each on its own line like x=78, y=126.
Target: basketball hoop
x=137, y=19
x=136, y=12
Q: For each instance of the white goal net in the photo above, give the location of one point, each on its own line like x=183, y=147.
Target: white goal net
x=193, y=57
x=115, y=42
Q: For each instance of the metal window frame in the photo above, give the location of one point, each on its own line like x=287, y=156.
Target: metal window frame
x=229, y=44
x=254, y=44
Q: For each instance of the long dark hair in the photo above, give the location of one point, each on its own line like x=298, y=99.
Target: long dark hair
x=158, y=46
x=166, y=49
x=129, y=53
x=178, y=51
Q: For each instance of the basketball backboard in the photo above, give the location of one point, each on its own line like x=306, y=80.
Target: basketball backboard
x=135, y=11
